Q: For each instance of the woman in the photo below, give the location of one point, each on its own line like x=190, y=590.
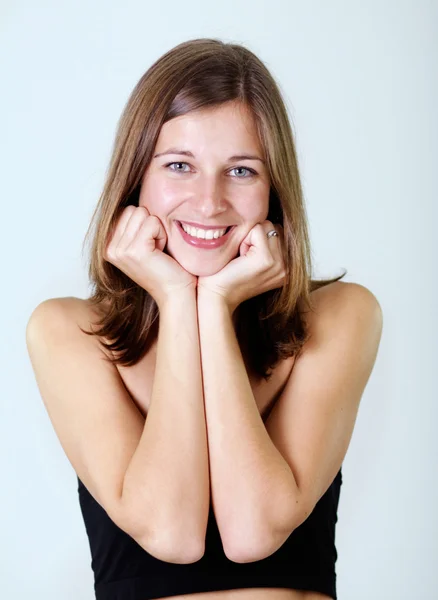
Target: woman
x=209, y=408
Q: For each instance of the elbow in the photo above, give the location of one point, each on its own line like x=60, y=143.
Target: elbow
x=163, y=542
x=248, y=546
x=258, y=545
x=252, y=552
x=249, y=552
x=167, y=547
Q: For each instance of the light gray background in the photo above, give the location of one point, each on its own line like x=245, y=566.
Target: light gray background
x=360, y=81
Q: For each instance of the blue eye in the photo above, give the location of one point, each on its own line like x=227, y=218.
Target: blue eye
x=250, y=171
x=177, y=163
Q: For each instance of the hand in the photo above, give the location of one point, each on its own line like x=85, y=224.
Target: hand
x=136, y=248
x=259, y=268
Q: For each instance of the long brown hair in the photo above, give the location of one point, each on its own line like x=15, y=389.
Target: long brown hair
x=197, y=74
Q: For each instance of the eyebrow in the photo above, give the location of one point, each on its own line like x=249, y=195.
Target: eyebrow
x=188, y=153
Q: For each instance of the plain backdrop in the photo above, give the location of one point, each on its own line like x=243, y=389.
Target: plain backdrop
x=360, y=82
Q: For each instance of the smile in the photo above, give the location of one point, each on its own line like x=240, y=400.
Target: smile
x=203, y=233
x=204, y=238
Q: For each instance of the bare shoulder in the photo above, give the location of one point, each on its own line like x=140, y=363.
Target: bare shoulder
x=343, y=309
x=97, y=423
x=341, y=295
x=60, y=318
x=66, y=307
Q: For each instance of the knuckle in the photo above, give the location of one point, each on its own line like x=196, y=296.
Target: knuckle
x=143, y=211
x=126, y=214
x=131, y=252
x=108, y=253
x=269, y=262
x=138, y=215
x=151, y=221
x=117, y=253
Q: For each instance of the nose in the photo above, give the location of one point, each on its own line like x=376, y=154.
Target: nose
x=210, y=199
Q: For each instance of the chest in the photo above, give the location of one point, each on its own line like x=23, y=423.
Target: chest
x=139, y=380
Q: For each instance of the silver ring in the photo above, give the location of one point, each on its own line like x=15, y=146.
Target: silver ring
x=271, y=233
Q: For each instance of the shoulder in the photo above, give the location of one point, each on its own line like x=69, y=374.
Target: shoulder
x=57, y=318
x=341, y=295
x=54, y=312
x=343, y=305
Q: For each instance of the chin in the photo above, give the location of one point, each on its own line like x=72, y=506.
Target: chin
x=200, y=269
x=200, y=263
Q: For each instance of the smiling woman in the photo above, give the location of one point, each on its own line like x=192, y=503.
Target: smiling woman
x=207, y=193
x=206, y=392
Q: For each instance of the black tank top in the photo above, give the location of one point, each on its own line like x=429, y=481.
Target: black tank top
x=123, y=570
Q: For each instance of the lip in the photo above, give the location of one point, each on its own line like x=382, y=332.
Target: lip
x=204, y=226
x=206, y=244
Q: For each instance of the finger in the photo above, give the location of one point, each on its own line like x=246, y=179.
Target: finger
x=257, y=237
x=260, y=234
x=120, y=225
x=268, y=226
x=273, y=249
x=133, y=225
x=145, y=233
x=276, y=248
x=248, y=241
x=136, y=210
x=154, y=230
x=116, y=233
x=278, y=238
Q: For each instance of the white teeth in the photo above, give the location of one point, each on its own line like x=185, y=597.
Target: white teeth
x=203, y=234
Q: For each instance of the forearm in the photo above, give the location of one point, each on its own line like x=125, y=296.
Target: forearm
x=170, y=466
x=249, y=477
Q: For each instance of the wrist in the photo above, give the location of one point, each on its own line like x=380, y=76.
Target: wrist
x=208, y=299
x=179, y=298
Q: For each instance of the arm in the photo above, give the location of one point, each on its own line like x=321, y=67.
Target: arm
x=166, y=491
x=313, y=420
x=310, y=426
x=172, y=458
x=249, y=476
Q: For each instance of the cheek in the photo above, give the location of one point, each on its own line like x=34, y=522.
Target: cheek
x=255, y=211
x=158, y=198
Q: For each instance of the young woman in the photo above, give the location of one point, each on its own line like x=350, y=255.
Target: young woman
x=206, y=393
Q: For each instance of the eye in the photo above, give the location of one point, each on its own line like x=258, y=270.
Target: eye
x=251, y=171
x=176, y=163
x=247, y=169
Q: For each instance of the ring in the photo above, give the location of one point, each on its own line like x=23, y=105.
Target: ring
x=271, y=233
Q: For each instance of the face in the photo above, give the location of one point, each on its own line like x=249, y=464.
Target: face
x=198, y=175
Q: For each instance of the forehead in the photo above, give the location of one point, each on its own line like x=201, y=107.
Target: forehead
x=231, y=124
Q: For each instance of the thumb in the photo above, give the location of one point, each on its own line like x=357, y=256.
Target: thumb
x=158, y=233
x=246, y=243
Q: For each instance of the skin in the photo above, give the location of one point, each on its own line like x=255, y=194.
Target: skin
x=208, y=189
